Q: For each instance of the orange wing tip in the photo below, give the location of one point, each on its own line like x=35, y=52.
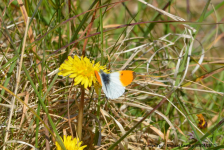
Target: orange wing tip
x=126, y=77
x=98, y=77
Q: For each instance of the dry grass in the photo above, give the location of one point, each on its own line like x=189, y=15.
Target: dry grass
x=178, y=62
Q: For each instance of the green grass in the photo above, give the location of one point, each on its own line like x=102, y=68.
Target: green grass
x=162, y=50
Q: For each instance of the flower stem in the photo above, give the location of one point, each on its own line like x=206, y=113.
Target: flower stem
x=69, y=119
x=80, y=115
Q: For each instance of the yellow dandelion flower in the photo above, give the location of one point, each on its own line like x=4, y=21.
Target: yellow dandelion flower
x=81, y=69
x=71, y=144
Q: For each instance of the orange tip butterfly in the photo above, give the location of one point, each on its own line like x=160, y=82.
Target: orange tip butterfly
x=113, y=84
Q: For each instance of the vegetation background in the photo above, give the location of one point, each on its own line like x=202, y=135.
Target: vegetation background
x=175, y=47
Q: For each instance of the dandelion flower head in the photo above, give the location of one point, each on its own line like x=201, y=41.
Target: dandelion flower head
x=81, y=69
x=71, y=144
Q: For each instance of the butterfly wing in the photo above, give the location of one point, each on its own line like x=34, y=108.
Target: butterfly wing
x=113, y=84
x=113, y=89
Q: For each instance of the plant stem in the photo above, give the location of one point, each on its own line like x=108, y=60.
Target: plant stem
x=80, y=115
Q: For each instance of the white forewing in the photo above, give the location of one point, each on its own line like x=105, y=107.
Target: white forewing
x=115, y=77
x=114, y=88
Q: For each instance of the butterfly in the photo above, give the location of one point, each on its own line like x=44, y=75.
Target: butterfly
x=113, y=84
